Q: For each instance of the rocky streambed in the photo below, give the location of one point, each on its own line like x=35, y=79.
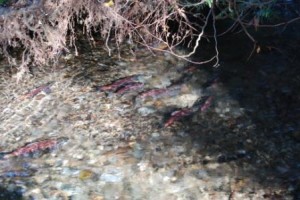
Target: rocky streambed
x=135, y=130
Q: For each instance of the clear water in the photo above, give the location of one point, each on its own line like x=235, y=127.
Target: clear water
x=244, y=146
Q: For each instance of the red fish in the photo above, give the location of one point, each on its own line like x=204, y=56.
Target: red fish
x=35, y=148
x=206, y=104
x=130, y=86
x=176, y=115
x=45, y=88
x=202, y=105
x=120, y=83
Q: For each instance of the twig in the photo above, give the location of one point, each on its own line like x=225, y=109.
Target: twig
x=198, y=38
x=215, y=34
x=106, y=42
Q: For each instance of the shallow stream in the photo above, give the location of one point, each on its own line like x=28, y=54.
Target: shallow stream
x=244, y=145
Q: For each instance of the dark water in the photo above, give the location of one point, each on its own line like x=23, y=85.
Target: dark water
x=267, y=86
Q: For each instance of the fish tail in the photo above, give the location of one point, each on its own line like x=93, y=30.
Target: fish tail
x=96, y=88
x=171, y=119
x=4, y=155
x=167, y=124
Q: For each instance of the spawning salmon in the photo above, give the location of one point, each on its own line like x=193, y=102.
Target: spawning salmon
x=34, y=148
x=200, y=105
x=206, y=104
x=129, y=87
x=36, y=91
x=176, y=115
x=121, y=82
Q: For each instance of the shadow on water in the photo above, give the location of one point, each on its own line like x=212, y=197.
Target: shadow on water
x=267, y=88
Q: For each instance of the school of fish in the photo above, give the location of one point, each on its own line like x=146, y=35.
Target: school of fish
x=120, y=86
x=137, y=82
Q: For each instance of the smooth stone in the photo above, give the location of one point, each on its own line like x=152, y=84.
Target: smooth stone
x=111, y=178
x=145, y=111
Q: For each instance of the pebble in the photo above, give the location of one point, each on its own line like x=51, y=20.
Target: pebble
x=145, y=111
x=85, y=174
x=212, y=165
x=155, y=135
x=35, y=194
x=178, y=149
x=113, y=177
x=41, y=178
x=78, y=156
x=143, y=165
x=201, y=174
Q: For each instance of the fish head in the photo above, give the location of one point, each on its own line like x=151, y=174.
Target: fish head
x=200, y=101
x=62, y=140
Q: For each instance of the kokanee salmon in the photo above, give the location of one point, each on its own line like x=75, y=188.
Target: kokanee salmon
x=36, y=91
x=129, y=87
x=200, y=105
x=38, y=147
x=112, y=87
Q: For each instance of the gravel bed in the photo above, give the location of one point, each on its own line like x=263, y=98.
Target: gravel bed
x=118, y=149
